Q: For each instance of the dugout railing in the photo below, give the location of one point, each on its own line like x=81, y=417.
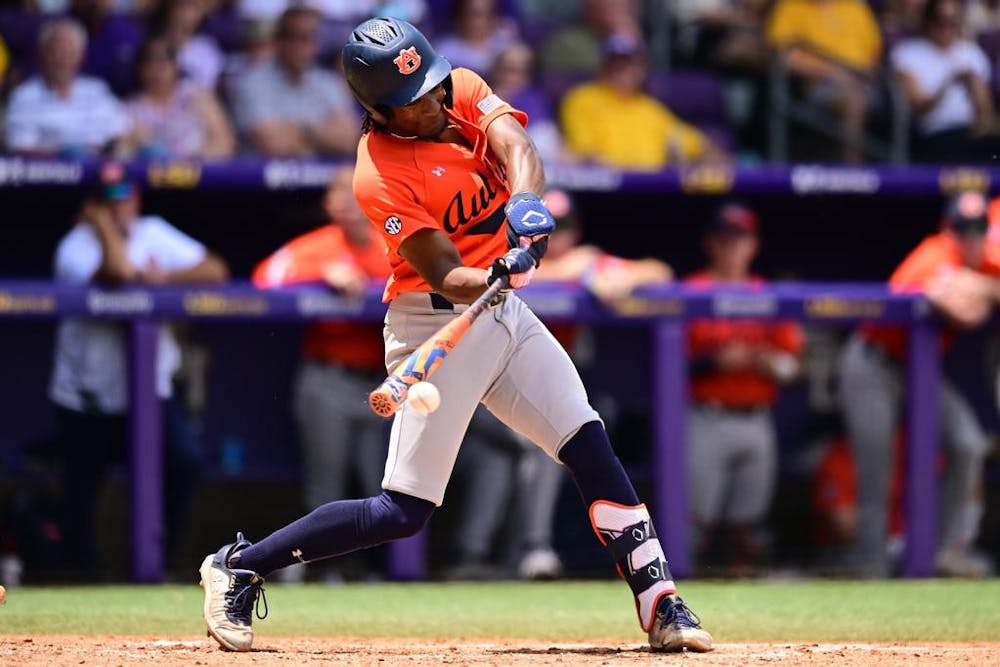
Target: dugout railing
x=664, y=310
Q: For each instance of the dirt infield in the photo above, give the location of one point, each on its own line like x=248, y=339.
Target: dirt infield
x=59, y=650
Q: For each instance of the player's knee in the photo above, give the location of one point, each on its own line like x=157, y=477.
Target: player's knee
x=402, y=515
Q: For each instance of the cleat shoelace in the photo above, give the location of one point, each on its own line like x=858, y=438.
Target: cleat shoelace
x=244, y=598
x=677, y=613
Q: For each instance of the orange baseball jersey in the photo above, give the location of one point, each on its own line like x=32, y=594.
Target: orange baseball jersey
x=936, y=253
x=351, y=344
x=405, y=185
x=743, y=388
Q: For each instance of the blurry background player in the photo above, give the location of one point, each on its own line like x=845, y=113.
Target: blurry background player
x=736, y=367
x=340, y=436
x=957, y=269
x=112, y=244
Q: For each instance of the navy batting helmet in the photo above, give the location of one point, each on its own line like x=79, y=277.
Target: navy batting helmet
x=389, y=63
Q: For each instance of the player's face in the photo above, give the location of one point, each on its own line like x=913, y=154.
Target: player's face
x=342, y=207
x=972, y=246
x=424, y=119
x=733, y=253
x=124, y=212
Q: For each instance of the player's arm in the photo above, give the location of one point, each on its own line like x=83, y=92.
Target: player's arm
x=438, y=261
x=211, y=269
x=517, y=153
x=529, y=223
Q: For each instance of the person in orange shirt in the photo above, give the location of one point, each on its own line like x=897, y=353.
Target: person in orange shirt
x=957, y=270
x=452, y=182
x=736, y=367
x=339, y=359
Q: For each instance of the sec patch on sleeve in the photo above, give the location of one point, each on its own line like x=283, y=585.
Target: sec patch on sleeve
x=393, y=225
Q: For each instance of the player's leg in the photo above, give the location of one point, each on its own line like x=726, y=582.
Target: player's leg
x=422, y=451
x=962, y=501
x=323, y=420
x=870, y=396
x=541, y=396
x=183, y=459
x=89, y=443
x=539, y=480
x=709, y=462
x=485, y=470
x=755, y=467
x=233, y=577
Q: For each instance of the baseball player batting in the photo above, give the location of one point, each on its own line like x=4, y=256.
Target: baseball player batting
x=449, y=177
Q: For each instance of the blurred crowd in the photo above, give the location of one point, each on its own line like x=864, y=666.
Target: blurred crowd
x=631, y=84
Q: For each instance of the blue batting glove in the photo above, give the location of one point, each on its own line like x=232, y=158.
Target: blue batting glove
x=517, y=264
x=528, y=220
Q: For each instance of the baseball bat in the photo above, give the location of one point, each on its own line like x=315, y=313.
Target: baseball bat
x=423, y=361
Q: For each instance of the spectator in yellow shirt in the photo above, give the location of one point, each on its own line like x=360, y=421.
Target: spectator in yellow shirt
x=611, y=120
x=834, y=46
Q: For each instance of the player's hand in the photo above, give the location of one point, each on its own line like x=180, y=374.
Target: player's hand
x=518, y=264
x=345, y=278
x=528, y=222
x=96, y=212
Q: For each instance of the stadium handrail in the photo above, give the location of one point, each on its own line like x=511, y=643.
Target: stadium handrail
x=715, y=179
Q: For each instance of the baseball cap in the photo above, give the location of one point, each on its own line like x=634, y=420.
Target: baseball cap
x=623, y=44
x=113, y=182
x=734, y=219
x=967, y=213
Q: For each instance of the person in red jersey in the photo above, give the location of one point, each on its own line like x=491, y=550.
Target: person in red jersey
x=736, y=369
x=957, y=269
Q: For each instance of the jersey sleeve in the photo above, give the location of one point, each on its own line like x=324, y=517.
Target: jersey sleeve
x=475, y=101
x=78, y=256
x=390, y=204
x=921, y=266
x=787, y=337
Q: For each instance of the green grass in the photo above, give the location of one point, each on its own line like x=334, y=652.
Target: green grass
x=743, y=611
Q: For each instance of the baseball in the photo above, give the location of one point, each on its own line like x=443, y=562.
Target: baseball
x=424, y=397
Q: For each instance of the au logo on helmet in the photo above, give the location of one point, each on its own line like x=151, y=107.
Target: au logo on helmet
x=408, y=60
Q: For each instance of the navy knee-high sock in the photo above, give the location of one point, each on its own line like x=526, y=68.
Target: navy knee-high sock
x=598, y=473
x=337, y=528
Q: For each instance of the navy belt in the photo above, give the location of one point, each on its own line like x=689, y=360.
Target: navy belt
x=438, y=302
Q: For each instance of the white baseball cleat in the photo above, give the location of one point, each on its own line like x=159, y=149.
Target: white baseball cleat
x=677, y=628
x=230, y=595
